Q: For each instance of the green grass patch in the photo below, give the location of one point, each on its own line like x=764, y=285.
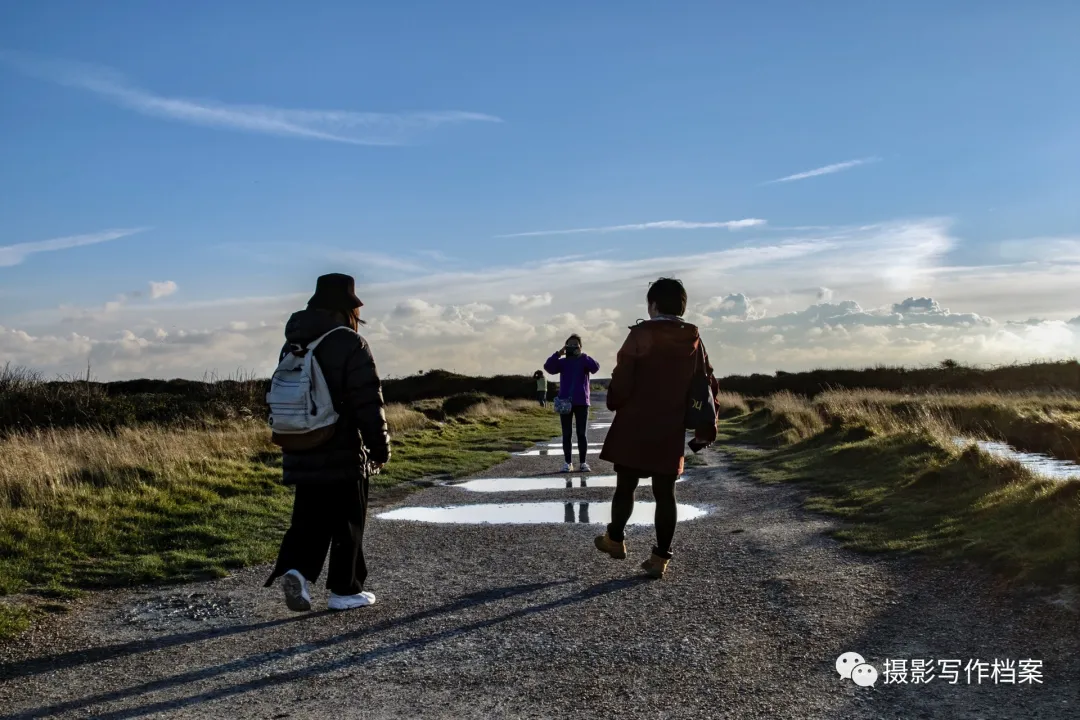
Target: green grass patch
x=908, y=492
x=466, y=445
x=13, y=620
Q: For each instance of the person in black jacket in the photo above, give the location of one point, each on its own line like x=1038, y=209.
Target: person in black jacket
x=331, y=479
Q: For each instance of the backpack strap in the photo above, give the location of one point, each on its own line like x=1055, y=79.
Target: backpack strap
x=315, y=343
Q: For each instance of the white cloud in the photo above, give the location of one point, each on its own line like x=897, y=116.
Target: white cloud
x=599, y=315
x=468, y=322
x=15, y=254
x=825, y=170
x=527, y=302
x=733, y=307
x=658, y=225
x=162, y=289
x=358, y=128
x=415, y=307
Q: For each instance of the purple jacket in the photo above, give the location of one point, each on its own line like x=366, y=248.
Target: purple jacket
x=573, y=375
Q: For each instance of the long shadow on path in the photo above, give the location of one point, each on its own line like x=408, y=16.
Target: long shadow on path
x=75, y=658
x=353, y=660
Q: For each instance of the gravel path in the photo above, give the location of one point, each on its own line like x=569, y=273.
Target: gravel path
x=529, y=621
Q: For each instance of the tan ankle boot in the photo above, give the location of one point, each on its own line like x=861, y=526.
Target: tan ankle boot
x=655, y=566
x=605, y=544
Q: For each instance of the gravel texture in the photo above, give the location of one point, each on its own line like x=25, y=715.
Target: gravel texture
x=531, y=622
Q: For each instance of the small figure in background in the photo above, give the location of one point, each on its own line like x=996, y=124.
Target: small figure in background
x=573, y=368
x=541, y=387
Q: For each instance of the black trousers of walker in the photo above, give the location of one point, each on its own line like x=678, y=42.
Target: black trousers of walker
x=580, y=415
x=330, y=515
x=622, y=507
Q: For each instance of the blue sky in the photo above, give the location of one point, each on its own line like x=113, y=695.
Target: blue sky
x=208, y=126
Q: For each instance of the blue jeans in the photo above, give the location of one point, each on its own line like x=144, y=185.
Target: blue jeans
x=580, y=413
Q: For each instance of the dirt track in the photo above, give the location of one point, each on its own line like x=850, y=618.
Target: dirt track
x=530, y=621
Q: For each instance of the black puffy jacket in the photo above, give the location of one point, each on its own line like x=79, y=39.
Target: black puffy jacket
x=361, y=435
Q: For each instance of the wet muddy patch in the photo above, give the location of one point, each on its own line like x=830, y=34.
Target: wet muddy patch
x=196, y=609
x=535, y=513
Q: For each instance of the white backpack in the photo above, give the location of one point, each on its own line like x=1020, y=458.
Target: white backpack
x=302, y=414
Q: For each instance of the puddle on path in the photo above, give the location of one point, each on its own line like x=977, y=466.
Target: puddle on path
x=591, y=450
x=599, y=426
x=543, y=483
x=535, y=483
x=559, y=444
x=533, y=513
x=1043, y=465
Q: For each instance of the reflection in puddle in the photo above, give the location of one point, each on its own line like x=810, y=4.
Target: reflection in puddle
x=543, y=483
x=533, y=513
x=599, y=426
x=592, y=450
x=1044, y=465
x=559, y=444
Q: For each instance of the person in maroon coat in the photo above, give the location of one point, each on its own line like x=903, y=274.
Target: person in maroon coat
x=648, y=392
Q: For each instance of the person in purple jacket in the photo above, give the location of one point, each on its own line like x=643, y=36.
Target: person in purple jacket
x=573, y=368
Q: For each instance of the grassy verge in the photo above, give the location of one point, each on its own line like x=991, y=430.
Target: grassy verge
x=900, y=484
x=82, y=509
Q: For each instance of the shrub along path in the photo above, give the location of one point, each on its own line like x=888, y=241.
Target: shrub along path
x=530, y=621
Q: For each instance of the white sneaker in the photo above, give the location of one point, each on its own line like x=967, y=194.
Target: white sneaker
x=348, y=602
x=567, y=468
x=585, y=467
x=296, y=591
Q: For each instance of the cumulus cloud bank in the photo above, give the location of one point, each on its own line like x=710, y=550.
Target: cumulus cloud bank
x=824, y=299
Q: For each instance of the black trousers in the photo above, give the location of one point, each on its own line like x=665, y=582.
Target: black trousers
x=580, y=415
x=327, y=516
x=622, y=506
x=541, y=397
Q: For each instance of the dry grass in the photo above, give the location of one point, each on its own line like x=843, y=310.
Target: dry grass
x=794, y=417
x=731, y=404
x=1044, y=423
x=403, y=419
x=496, y=408
x=887, y=463
x=38, y=466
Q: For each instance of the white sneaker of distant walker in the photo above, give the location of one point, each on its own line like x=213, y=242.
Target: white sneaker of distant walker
x=585, y=467
x=296, y=591
x=348, y=602
x=567, y=467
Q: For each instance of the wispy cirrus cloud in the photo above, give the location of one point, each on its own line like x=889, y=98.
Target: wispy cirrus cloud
x=658, y=225
x=825, y=170
x=381, y=261
x=357, y=128
x=15, y=254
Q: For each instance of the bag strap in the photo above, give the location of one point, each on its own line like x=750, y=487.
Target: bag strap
x=315, y=343
x=705, y=370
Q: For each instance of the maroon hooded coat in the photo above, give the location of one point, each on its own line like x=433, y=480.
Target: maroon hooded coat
x=648, y=392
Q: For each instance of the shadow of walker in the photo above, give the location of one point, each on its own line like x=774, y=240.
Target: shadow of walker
x=248, y=663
